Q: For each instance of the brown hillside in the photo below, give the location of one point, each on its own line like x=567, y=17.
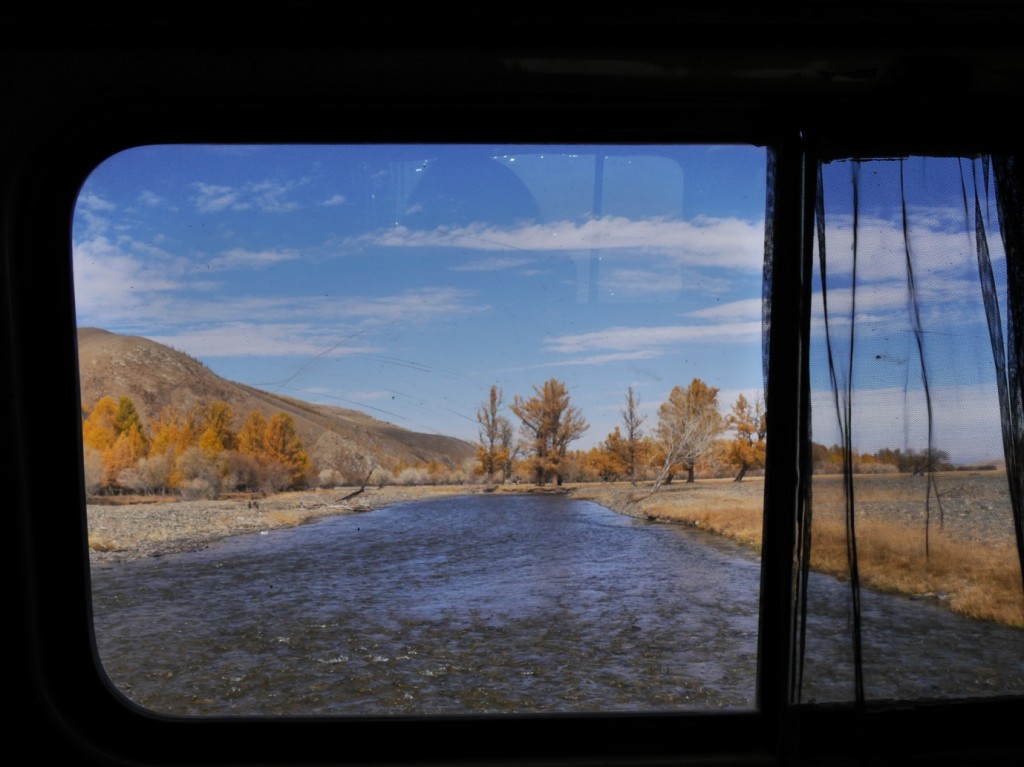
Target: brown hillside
x=156, y=376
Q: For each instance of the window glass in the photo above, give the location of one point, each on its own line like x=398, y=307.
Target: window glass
x=397, y=429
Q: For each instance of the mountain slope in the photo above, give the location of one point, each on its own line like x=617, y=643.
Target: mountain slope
x=156, y=376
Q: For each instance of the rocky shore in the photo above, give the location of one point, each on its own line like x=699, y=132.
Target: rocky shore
x=120, y=532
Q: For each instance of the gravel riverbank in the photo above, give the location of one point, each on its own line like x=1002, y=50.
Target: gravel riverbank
x=124, y=532
x=125, y=529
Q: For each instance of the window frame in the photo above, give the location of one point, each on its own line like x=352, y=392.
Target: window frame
x=64, y=693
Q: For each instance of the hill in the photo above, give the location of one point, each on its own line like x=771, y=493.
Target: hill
x=156, y=376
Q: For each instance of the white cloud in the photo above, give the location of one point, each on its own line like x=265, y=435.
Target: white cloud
x=492, y=264
x=703, y=241
x=108, y=278
x=596, y=359
x=266, y=196
x=239, y=258
x=745, y=309
x=639, y=283
x=151, y=199
x=338, y=199
x=633, y=339
x=89, y=214
x=946, y=304
x=881, y=250
x=410, y=306
x=131, y=286
x=92, y=201
x=212, y=198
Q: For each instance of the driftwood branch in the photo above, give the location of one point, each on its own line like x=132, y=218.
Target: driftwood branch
x=354, y=493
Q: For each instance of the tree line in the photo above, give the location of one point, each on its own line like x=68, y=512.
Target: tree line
x=197, y=451
x=830, y=460
x=688, y=433
x=194, y=451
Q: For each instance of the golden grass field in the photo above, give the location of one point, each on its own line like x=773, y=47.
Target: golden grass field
x=971, y=565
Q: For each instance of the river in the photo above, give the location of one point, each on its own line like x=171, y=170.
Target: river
x=497, y=604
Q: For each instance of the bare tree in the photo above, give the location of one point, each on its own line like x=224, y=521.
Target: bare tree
x=688, y=422
x=494, y=448
x=633, y=422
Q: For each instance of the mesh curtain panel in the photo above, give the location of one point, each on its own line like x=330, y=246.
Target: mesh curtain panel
x=916, y=429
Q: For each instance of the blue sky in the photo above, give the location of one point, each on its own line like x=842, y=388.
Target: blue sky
x=405, y=281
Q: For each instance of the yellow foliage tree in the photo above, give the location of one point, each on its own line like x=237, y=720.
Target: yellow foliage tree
x=549, y=423
x=749, y=423
x=216, y=435
x=126, y=451
x=99, y=430
x=173, y=431
x=282, y=444
x=610, y=459
x=114, y=429
x=252, y=433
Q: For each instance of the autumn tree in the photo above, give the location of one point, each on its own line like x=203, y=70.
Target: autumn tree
x=688, y=423
x=495, y=437
x=127, y=417
x=216, y=435
x=275, y=446
x=251, y=435
x=126, y=451
x=748, y=422
x=115, y=430
x=610, y=459
x=173, y=431
x=282, y=444
x=99, y=429
x=548, y=424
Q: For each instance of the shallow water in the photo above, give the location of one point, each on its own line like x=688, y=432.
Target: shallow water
x=495, y=604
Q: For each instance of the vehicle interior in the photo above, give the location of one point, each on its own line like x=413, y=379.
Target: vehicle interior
x=813, y=82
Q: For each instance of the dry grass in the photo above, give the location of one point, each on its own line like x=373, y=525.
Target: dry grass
x=738, y=519
x=971, y=565
x=286, y=517
x=980, y=580
x=723, y=507
x=103, y=543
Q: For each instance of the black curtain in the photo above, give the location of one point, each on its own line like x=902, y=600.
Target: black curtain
x=910, y=396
